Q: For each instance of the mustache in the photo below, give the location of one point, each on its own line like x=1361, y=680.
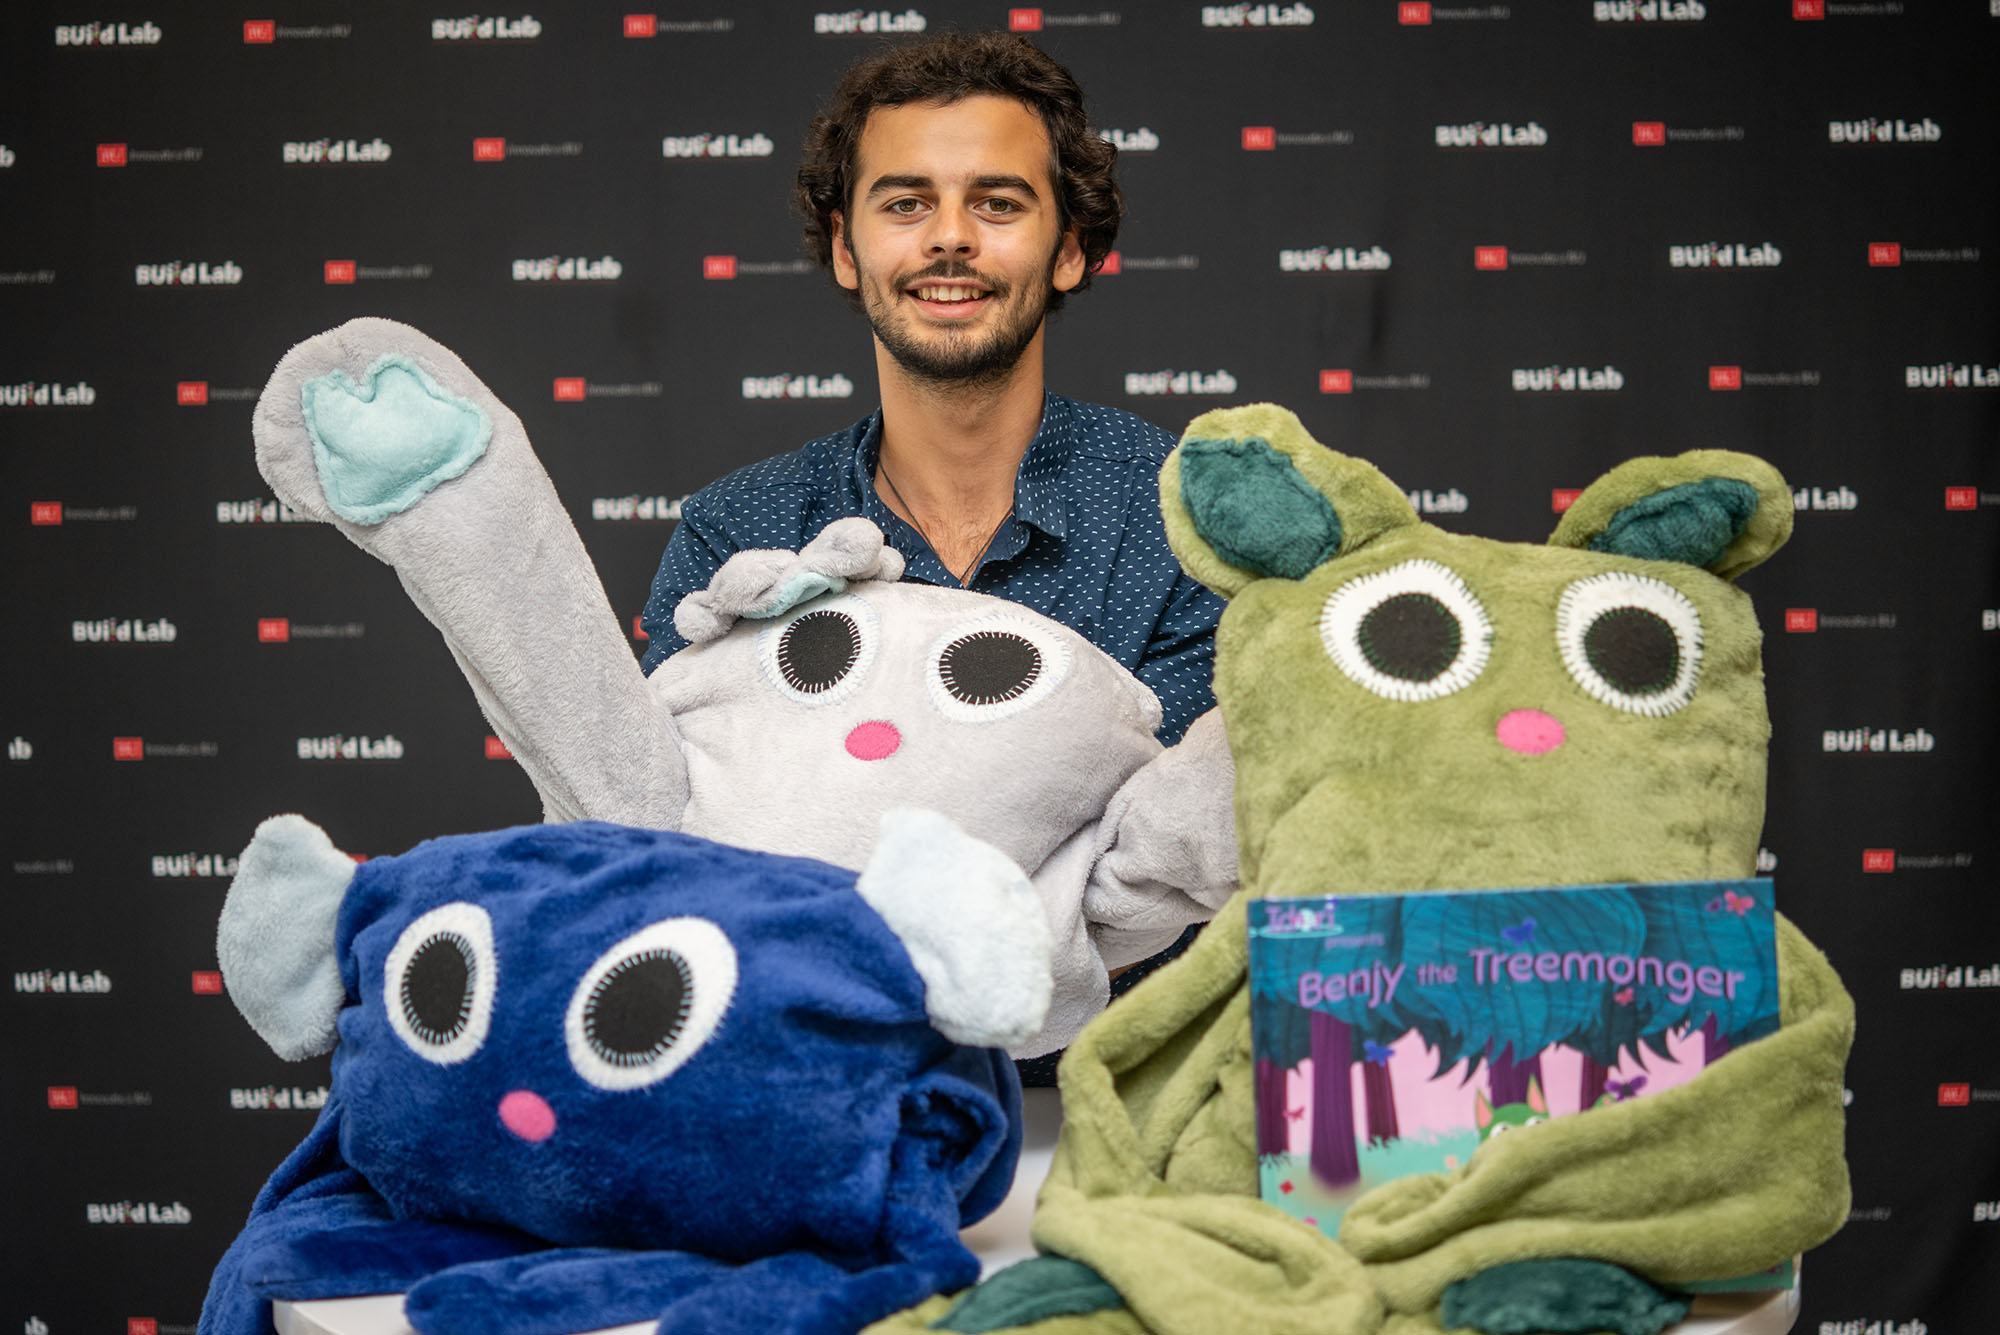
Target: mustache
x=951, y=271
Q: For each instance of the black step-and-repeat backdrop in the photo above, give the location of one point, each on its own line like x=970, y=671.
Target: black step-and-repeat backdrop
x=1495, y=248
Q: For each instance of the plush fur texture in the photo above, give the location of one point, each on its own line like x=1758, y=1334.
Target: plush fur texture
x=275, y=938
x=1067, y=780
x=1343, y=789
x=1558, y=1298
x=588, y=1074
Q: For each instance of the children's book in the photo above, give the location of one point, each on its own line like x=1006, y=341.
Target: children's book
x=1395, y=1034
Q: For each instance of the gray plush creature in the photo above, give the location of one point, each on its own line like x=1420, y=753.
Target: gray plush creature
x=816, y=694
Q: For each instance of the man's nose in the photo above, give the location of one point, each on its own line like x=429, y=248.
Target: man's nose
x=952, y=232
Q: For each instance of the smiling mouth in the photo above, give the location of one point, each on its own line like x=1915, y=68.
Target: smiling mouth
x=948, y=294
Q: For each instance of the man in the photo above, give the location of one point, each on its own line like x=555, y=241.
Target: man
x=956, y=192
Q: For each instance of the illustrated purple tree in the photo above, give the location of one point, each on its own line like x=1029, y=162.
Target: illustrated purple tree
x=1329, y=962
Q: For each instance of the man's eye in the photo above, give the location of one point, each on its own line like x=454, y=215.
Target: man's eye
x=1002, y=206
x=904, y=206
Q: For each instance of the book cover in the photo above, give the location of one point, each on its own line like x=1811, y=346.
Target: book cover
x=1394, y=1034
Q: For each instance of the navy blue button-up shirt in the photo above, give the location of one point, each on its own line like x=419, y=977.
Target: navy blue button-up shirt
x=1084, y=546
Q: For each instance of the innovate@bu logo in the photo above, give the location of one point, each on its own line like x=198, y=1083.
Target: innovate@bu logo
x=1489, y=257
x=1024, y=20
x=191, y=393
x=1808, y=9
x=260, y=32
x=489, y=150
x=340, y=271
x=1961, y=498
x=1954, y=1096
x=1258, y=138
x=1563, y=497
x=1336, y=382
x=642, y=25
x=128, y=748
x=1725, y=377
x=274, y=630
x=111, y=155
x=62, y=1097
x=569, y=389
x=718, y=266
x=1801, y=620
x=205, y=983
x=1878, y=860
x=45, y=513
x=1885, y=254
x=497, y=749
x=1413, y=13
x=1649, y=134
x=1114, y=262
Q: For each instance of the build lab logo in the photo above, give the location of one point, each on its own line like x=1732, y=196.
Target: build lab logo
x=478, y=28
x=571, y=269
x=1725, y=255
x=129, y=630
x=1872, y=131
x=47, y=394
x=335, y=152
x=1648, y=11
x=1567, y=379
x=188, y=273
x=342, y=747
x=618, y=509
x=1878, y=741
x=192, y=866
x=1334, y=259
x=109, y=34
x=716, y=146
x=864, y=22
x=1256, y=16
x=1949, y=977
x=1499, y=134
x=7, y=159
x=835, y=386
x=257, y=512
x=1951, y=375
x=63, y=982
x=1450, y=501
x=1179, y=382
x=1141, y=140
x=1825, y=498
x=277, y=1098
x=138, y=1212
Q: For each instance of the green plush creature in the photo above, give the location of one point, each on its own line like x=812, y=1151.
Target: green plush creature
x=1411, y=709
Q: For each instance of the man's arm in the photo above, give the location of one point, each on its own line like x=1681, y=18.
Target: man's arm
x=1179, y=663
x=697, y=549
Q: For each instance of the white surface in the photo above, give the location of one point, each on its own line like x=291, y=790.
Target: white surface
x=1001, y=1239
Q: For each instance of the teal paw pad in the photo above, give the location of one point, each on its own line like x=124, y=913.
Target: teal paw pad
x=382, y=443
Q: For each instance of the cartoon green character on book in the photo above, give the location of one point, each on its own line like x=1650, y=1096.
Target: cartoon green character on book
x=1412, y=709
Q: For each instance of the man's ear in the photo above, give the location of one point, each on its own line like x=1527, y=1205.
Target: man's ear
x=844, y=271
x=1717, y=509
x=1248, y=494
x=1069, y=266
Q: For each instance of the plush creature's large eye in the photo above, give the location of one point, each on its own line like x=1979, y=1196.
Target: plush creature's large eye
x=1633, y=642
x=820, y=653
x=649, y=1003
x=1411, y=632
x=993, y=667
x=438, y=984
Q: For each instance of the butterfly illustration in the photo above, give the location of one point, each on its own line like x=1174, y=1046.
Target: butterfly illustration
x=1376, y=1052
x=1620, y=1090
x=1294, y=1114
x=1623, y=996
x=1731, y=902
x=1521, y=934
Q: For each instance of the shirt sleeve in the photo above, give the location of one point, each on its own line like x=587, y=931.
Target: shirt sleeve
x=1179, y=663
x=697, y=549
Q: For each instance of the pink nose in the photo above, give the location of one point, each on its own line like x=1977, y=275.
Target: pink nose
x=528, y=1115
x=873, y=740
x=1529, y=731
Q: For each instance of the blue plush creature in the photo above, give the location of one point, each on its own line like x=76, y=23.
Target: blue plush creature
x=586, y=1074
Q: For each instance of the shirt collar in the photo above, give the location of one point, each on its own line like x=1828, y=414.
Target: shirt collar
x=1038, y=498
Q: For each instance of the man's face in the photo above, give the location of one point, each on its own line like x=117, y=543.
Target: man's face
x=952, y=238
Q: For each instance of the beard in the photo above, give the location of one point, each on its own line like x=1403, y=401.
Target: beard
x=957, y=357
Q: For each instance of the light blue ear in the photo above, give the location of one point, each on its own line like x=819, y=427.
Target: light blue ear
x=972, y=923
x=276, y=936
x=383, y=442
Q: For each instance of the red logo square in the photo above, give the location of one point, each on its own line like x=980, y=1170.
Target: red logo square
x=45, y=512
x=1336, y=382
x=1878, y=859
x=497, y=749
x=128, y=748
x=489, y=150
x=1413, y=12
x=206, y=982
x=1649, y=134
x=1024, y=20
x=111, y=155
x=718, y=266
x=642, y=25
x=340, y=271
x=1801, y=620
x=1961, y=498
x=569, y=389
x=274, y=630
x=62, y=1096
x=1808, y=9
x=259, y=31
x=1489, y=257
x=639, y=631
x=191, y=393
x=1954, y=1096
x=1885, y=254
x=1725, y=377
x=1114, y=261
x=141, y=1325
x=1563, y=497
x=1258, y=138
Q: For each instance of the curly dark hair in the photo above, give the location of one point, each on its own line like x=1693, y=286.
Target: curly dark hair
x=948, y=68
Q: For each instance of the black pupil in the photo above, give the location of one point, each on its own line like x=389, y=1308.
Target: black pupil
x=818, y=649
x=1633, y=649
x=989, y=666
x=639, y=1008
x=1411, y=636
x=437, y=988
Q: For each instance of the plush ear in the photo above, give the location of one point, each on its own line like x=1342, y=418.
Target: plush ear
x=1248, y=494
x=275, y=939
x=1717, y=509
x=972, y=923
x=761, y=583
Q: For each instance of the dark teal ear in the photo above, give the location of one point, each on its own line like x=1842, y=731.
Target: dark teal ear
x=1693, y=523
x=1713, y=509
x=1255, y=509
